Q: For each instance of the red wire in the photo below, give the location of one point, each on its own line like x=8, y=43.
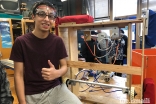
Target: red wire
x=91, y=51
x=116, y=53
x=94, y=54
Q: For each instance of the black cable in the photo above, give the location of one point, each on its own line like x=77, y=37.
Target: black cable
x=85, y=89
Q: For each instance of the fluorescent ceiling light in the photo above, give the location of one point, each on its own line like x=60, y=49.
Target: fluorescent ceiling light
x=63, y=0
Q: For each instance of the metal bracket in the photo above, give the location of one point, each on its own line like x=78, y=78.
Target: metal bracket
x=146, y=22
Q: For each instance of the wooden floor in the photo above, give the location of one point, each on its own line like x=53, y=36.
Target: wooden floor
x=100, y=96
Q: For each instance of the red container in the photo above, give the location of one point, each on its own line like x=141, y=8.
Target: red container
x=149, y=64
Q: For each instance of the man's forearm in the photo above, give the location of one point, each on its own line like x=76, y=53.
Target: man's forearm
x=62, y=71
x=19, y=87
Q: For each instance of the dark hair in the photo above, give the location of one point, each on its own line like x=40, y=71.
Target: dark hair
x=43, y=2
x=122, y=31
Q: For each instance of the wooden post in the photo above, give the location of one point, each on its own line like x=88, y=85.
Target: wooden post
x=143, y=47
x=63, y=33
x=23, y=26
x=69, y=36
x=73, y=53
x=129, y=56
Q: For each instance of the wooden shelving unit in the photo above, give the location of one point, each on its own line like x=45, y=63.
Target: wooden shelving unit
x=68, y=32
x=5, y=51
x=25, y=24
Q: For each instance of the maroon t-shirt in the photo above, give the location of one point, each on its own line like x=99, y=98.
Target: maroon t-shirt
x=35, y=53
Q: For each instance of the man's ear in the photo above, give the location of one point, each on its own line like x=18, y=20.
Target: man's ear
x=32, y=17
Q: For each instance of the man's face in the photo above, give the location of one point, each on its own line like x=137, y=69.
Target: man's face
x=99, y=31
x=44, y=18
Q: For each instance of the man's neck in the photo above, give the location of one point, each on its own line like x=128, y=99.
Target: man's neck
x=40, y=34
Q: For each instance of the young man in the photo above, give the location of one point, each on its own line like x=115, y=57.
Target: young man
x=89, y=48
x=119, y=50
x=40, y=60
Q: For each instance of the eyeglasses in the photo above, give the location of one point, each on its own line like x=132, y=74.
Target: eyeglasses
x=43, y=14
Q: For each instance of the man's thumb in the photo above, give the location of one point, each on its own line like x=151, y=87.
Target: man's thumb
x=50, y=64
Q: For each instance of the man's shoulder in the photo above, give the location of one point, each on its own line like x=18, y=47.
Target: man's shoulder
x=23, y=36
x=55, y=37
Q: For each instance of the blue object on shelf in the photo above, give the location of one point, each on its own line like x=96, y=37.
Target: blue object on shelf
x=11, y=16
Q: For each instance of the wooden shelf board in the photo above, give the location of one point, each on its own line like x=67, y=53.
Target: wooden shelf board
x=105, y=67
x=118, y=23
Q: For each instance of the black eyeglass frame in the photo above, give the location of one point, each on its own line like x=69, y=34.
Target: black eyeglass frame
x=44, y=15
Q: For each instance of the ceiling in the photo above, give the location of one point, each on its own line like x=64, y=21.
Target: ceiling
x=56, y=3
x=31, y=2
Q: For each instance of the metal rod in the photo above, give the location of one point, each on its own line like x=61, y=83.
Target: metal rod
x=100, y=84
x=94, y=9
x=96, y=28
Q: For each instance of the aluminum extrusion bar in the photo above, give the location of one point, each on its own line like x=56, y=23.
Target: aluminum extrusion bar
x=100, y=84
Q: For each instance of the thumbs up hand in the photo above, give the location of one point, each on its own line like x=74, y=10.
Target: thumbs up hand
x=50, y=73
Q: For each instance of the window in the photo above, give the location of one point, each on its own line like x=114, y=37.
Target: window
x=98, y=8
x=124, y=7
x=151, y=5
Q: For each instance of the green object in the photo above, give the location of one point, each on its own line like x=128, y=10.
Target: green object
x=11, y=16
